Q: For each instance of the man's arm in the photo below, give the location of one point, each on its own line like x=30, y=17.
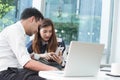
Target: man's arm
x=17, y=46
x=38, y=66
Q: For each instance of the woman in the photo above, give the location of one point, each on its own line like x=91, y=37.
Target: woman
x=45, y=44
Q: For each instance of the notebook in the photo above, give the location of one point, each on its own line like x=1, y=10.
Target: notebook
x=83, y=60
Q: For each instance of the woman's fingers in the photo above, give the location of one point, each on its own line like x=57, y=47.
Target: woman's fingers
x=56, y=58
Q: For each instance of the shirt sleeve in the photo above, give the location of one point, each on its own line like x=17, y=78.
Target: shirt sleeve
x=16, y=42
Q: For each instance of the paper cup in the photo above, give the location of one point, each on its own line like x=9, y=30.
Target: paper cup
x=115, y=68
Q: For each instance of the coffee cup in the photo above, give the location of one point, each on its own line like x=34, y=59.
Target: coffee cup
x=115, y=68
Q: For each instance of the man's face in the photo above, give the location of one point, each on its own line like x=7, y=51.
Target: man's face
x=34, y=27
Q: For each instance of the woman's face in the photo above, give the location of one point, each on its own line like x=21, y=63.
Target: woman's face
x=46, y=33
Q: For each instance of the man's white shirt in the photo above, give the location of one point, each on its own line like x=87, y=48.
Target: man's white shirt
x=13, y=52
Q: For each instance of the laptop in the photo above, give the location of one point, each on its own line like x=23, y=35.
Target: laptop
x=83, y=60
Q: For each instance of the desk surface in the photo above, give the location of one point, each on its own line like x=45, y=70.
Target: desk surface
x=56, y=75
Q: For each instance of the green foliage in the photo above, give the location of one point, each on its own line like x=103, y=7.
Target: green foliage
x=68, y=31
x=5, y=7
x=6, y=15
x=0, y=29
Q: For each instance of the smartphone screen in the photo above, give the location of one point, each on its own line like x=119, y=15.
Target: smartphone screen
x=59, y=49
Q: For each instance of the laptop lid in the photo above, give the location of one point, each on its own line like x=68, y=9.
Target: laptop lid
x=83, y=59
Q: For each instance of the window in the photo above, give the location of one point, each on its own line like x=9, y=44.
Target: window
x=11, y=10
x=81, y=20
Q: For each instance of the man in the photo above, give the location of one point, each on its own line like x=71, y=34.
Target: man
x=15, y=61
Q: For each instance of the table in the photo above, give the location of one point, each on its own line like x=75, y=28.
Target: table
x=57, y=75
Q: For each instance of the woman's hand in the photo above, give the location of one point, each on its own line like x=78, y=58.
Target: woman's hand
x=58, y=58
x=47, y=56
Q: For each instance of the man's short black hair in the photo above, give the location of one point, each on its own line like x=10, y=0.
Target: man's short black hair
x=29, y=12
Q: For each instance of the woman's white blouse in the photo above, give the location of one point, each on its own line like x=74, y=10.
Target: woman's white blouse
x=13, y=52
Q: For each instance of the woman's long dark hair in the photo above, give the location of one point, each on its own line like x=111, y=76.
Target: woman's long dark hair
x=52, y=42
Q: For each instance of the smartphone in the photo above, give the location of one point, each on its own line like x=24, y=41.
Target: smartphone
x=59, y=49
